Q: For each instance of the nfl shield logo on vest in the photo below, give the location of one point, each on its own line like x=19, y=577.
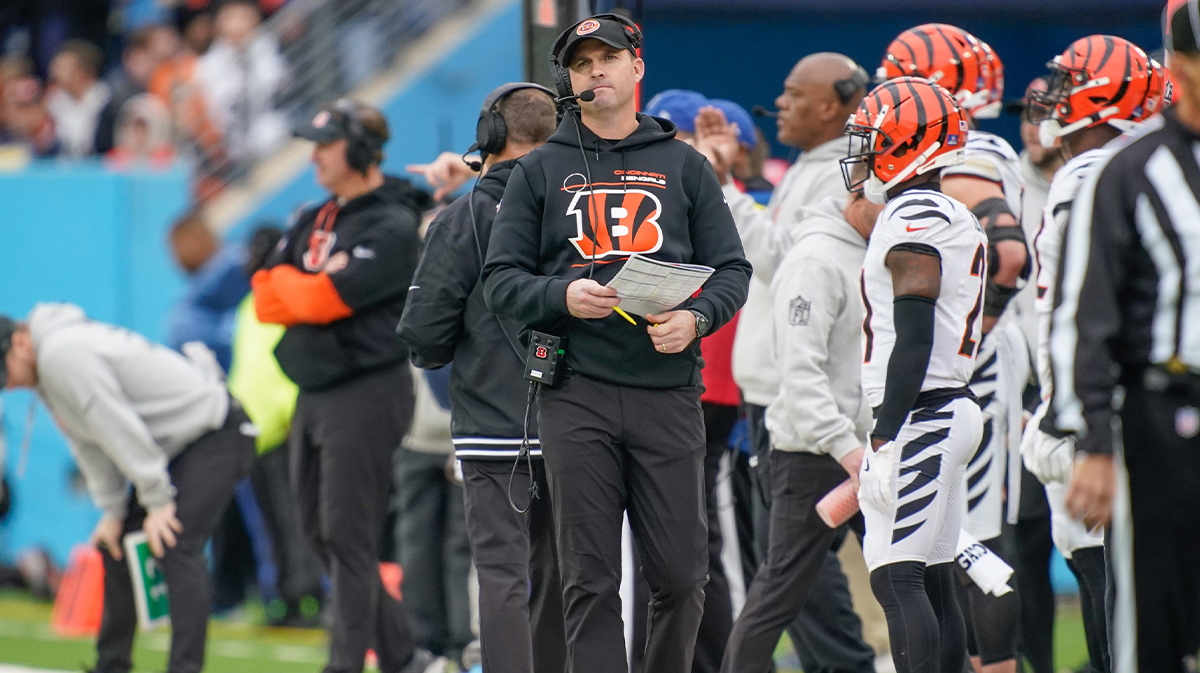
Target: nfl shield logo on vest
x=798, y=311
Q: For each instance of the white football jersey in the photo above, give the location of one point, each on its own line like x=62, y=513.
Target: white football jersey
x=1047, y=245
x=991, y=158
x=923, y=217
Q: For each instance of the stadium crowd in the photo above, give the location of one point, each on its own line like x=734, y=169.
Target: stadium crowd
x=903, y=370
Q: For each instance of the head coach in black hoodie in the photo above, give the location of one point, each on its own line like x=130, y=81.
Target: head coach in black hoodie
x=624, y=430
x=338, y=281
x=446, y=320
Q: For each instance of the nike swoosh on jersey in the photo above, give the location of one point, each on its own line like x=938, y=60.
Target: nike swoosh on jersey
x=910, y=229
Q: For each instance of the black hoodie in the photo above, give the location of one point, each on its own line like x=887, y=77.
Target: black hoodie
x=659, y=197
x=446, y=320
x=379, y=233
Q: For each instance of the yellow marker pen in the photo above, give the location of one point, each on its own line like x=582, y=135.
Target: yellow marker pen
x=625, y=315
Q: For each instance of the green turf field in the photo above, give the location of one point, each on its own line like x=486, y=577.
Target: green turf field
x=27, y=639
x=240, y=647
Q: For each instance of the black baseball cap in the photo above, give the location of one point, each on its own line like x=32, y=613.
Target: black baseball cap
x=7, y=327
x=331, y=123
x=609, y=31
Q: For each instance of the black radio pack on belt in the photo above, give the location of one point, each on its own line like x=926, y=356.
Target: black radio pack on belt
x=544, y=362
x=544, y=365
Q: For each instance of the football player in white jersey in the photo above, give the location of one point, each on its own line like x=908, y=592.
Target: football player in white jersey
x=923, y=293
x=1088, y=103
x=989, y=182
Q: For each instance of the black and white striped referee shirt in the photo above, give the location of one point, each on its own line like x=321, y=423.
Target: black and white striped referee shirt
x=1129, y=282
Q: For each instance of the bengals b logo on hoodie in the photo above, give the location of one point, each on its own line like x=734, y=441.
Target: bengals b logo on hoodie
x=615, y=222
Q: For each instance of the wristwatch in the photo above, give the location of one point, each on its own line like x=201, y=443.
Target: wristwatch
x=701, y=323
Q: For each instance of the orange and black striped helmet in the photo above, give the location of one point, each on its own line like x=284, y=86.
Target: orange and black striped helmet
x=1162, y=90
x=993, y=82
x=1098, y=79
x=943, y=54
x=905, y=127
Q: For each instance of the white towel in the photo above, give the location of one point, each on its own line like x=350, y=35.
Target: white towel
x=987, y=570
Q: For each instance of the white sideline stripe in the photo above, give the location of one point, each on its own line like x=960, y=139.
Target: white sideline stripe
x=7, y=668
x=271, y=174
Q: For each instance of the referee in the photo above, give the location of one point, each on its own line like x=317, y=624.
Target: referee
x=1126, y=315
x=624, y=431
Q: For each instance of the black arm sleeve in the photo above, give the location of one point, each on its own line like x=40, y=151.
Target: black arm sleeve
x=914, y=317
x=432, y=323
x=715, y=243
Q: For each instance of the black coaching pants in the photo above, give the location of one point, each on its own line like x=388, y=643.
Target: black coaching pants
x=826, y=631
x=341, y=468
x=1162, y=456
x=204, y=476
x=610, y=449
x=799, y=546
x=516, y=559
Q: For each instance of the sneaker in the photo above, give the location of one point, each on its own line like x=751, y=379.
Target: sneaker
x=424, y=661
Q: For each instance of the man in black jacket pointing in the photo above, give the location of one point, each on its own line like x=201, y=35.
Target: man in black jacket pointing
x=445, y=320
x=624, y=430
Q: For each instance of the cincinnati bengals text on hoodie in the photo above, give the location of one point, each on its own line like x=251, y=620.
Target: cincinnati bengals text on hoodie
x=650, y=194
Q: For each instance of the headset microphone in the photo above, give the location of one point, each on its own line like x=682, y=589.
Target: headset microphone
x=760, y=111
x=474, y=164
x=587, y=96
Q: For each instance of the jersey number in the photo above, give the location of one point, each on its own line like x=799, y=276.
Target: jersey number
x=978, y=268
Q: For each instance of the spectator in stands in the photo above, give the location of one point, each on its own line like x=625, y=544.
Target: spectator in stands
x=198, y=33
x=14, y=67
x=143, y=135
x=25, y=119
x=174, y=84
x=78, y=96
x=240, y=77
x=145, y=50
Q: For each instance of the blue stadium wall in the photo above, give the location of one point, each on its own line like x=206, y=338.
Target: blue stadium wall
x=724, y=51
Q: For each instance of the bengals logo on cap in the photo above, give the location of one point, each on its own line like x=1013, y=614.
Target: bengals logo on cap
x=628, y=218
x=589, y=26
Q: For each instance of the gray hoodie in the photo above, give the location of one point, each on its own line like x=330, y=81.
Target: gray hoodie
x=126, y=405
x=818, y=318
x=767, y=235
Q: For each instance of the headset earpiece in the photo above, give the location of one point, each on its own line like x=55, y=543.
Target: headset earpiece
x=491, y=131
x=362, y=147
x=847, y=88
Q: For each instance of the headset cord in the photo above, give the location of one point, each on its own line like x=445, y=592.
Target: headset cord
x=587, y=167
x=533, y=486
